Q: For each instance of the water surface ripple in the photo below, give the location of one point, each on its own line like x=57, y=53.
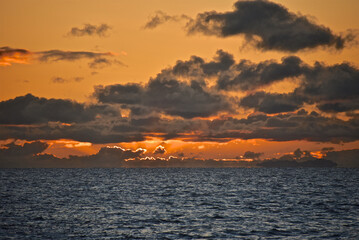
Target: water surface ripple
x=179, y=203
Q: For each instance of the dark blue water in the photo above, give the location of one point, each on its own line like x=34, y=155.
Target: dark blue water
x=179, y=203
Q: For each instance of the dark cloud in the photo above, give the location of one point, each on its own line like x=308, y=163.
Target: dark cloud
x=161, y=17
x=270, y=25
x=331, y=88
x=283, y=127
x=272, y=102
x=96, y=132
x=11, y=150
x=311, y=127
x=104, y=62
x=196, y=66
x=334, y=88
x=299, y=158
x=248, y=76
x=160, y=150
x=31, y=155
x=345, y=158
x=251, y=155
x=29, y=109
x=167, y=94
x=59, y=55
x=90, y=30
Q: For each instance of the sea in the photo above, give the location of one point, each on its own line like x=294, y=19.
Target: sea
x=180, y=203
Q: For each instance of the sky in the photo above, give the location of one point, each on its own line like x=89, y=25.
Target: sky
x=239, y=80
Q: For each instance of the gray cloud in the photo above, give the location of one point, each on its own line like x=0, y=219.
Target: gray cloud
x=248, y=76
x=331, y=88
x=161, y=17
x=166, y=93
x=345, y=158
x=332, y=82
x=9, y=52
x=104, y=62
x=28, y=149
x=252, y=155
x=65, y=80
x=282, y=127
x=90, y=30
x=276, y=27
x=29, y=109
x=59, y=55
x=31, y=155
x=196, y=66
x=272, y=102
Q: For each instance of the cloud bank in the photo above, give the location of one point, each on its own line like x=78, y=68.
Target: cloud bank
x=189, y=101
x=31, y=155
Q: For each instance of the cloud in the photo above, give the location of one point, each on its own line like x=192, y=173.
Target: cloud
x=11, y=150
x=167, y=94
x=297, y=159
x=161, y=17
x=184, y=102
x=333, y=88
x=284, y=127
x=99, y=59
x=89, y=30
x=104, y=62
x=249, y=76
x=59, y=55
x=197, y=67
x=29, y=109
x=31, y=155
x=270, y=25
x=65, y=80
x=345, y=158
x=252, y=155
x=272, y=102
x=160, y=150
x=9, y=56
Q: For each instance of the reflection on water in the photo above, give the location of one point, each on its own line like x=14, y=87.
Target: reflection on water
x=179, y=203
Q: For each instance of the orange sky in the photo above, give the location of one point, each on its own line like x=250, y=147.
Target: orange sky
x=42, y=25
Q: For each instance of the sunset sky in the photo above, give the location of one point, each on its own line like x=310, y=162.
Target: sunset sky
x=202, y=79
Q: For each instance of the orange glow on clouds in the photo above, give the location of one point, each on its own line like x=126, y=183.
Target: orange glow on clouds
x=9, y=59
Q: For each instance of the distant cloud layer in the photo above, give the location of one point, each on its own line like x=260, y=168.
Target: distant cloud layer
x=267, y=25
x=90, y=30
x=31, y=155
